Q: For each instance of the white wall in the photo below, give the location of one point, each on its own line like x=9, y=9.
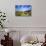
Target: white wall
x=38, y=18
x=38, y=13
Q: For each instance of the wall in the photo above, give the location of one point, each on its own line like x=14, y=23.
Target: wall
x=9, y=7
x=39, y=13
x=38, y=18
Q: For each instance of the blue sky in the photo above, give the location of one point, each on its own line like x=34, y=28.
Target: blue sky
x=23, y=7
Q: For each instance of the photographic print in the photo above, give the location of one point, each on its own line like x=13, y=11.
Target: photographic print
x=23, y=10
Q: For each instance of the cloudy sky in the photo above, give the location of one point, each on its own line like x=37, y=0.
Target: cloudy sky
x=23, y=7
